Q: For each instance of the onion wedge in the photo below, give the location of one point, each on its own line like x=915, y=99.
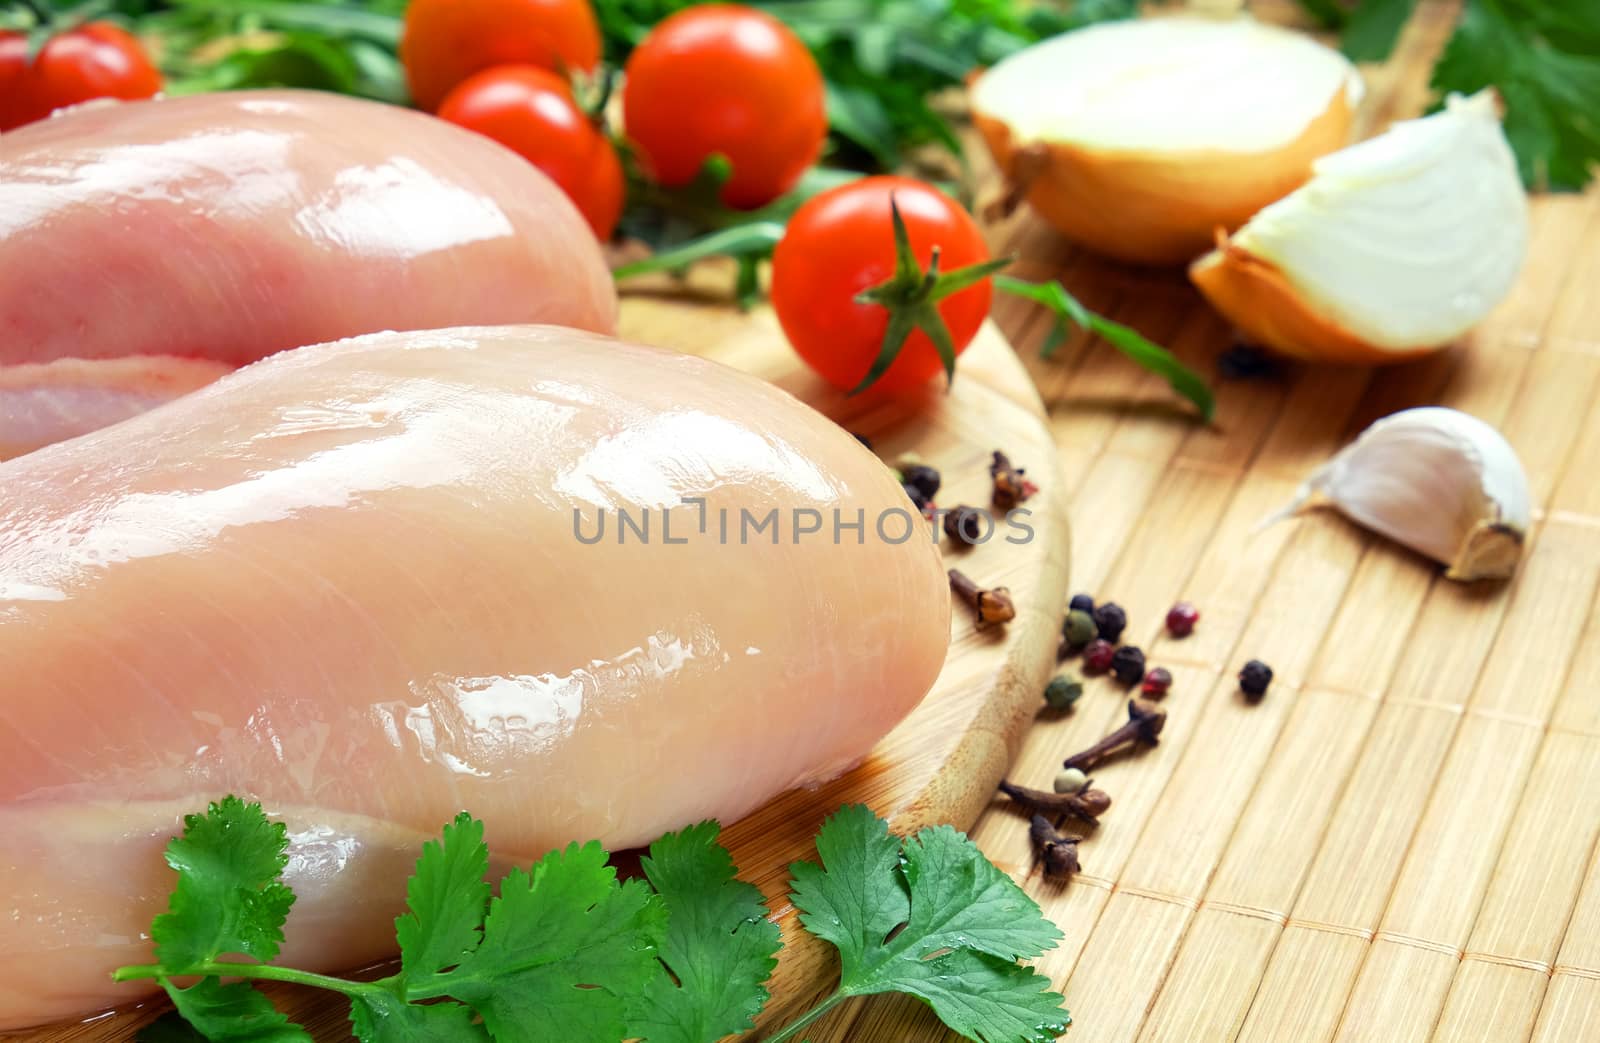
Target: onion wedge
x=1396, y=247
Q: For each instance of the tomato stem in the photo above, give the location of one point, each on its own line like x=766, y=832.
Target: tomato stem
x=911, y=296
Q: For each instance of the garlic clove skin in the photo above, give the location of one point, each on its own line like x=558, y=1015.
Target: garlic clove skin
x=1436, y=480
x=1141, y=138
x=1397, y=246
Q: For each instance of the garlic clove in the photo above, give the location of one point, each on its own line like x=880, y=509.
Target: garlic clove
x=1395, y=247
x=1140, y=138
x=1436, y=480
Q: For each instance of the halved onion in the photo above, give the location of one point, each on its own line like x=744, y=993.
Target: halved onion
x=1144, y=136
x=1396, y=246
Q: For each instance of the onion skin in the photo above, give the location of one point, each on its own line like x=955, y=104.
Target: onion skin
x=1163, y=208
x=1255, y=296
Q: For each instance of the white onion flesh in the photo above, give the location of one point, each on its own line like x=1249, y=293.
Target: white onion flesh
x=1409, y=239
x=1171, y=84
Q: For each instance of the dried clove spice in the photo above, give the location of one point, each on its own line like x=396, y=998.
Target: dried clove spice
x=964, y=525
x=1145, y=722
x=1011, y=485
x=1058, y=851
x=1086, y=804
x=992, y=606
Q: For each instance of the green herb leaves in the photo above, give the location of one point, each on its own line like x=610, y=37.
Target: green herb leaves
x=1542, y=57
x=962, y=926
x=228, y=898
x=563, y=947
x=720, y=947
x=568, y=951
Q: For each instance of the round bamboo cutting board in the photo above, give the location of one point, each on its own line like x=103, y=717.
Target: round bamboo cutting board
x=941, y=764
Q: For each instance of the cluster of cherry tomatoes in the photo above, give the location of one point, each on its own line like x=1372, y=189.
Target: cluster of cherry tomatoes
x=711, y=79
x=95, y=60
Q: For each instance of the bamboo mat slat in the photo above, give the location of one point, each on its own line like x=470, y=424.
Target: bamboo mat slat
x=1402, y=842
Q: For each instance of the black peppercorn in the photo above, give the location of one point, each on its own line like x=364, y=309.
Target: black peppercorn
x=1254, y=678
x=924, y=478
x=863, y=439
x=1110, y=620
x=1242, y=362
x=1127, y=664
x=965, y=525
x=919, y=500
x=1081, y=603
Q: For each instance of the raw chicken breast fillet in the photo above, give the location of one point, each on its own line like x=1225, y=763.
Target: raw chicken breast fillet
x=221, y=228
x=347, y=582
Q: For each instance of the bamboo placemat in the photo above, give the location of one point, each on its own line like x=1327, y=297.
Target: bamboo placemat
x=1399, y=842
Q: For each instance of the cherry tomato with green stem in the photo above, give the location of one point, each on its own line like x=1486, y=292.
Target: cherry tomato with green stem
x=94, y=60
x=856, y=290
x=532, y=112
x=720, y=79
x=445, y=41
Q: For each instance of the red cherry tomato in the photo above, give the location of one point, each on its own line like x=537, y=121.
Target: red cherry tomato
x=445, y=41
x=719, y=78
x=96, y=60
x=841, y=243
x=14, y=107
x=531, y=111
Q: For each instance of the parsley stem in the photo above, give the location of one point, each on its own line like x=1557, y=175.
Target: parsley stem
x=812, y=1015
x=260, y=971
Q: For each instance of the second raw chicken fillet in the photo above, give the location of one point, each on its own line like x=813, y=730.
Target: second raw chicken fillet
x=348, y=582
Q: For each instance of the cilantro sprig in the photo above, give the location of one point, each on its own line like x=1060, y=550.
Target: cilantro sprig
x=567, y=950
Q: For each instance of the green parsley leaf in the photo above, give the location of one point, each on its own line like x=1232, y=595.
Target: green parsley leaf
x=959, y=900
x=983, y=997
x=228, y=898
x=563, y=947
x=1545, y=60
x=447, y=896
x=386, y=1018
x=720, y=947
x=857, y=896
x=236, y=1013
x=961, y=926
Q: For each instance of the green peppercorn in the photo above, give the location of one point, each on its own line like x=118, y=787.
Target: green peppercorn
x=1062, y=692
x=1078, y=629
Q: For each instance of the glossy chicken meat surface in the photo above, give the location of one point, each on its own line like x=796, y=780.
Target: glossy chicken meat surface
x=361, y=582
x=207, y=232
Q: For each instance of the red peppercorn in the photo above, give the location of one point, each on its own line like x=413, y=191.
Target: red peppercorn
x=1097, y=656
x=1157, y=682
x=1181, y=619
